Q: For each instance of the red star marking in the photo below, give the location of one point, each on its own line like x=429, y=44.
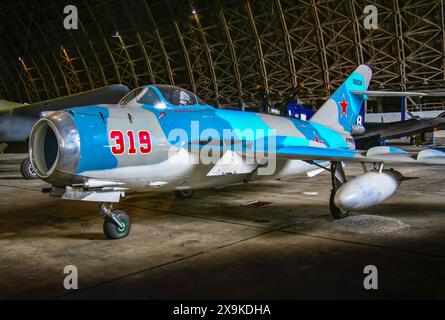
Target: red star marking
x=344, y=106
x=316, y=138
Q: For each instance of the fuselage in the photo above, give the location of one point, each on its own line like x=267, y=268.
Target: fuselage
x=163, y=146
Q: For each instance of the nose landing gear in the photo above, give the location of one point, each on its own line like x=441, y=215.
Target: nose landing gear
x=27, y=170
x=117, y=224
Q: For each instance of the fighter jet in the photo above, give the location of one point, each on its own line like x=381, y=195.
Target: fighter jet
x=16, y=119
x=375, y=132
x=162, y=138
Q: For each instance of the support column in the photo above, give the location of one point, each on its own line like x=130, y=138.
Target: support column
x=258, y=47
x=321, y=43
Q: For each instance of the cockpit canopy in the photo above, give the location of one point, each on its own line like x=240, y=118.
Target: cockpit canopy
x=155, y=95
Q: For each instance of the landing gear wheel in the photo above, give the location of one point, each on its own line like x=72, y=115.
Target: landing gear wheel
x=27, y=170
x=112, y=230
x=184, y=194
x=338, y=178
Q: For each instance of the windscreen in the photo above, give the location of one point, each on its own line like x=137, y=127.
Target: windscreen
x=178, y=97
x=130, y=96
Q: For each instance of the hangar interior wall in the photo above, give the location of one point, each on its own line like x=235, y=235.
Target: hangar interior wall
x=219, y=48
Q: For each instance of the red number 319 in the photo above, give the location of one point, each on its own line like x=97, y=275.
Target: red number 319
x=120, y=146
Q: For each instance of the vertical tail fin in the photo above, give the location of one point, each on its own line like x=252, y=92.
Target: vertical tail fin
x=342, y=109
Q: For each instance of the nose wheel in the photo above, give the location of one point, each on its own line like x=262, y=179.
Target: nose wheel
x=117, y=224
x=27, y=170
x=338, y=178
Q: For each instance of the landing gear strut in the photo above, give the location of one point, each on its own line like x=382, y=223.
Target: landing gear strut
x=117, y=224
x=338, y=178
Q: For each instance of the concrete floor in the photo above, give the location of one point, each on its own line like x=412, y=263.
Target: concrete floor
x=216, y=247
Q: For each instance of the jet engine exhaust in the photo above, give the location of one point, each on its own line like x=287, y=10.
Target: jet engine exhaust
x=367, y=190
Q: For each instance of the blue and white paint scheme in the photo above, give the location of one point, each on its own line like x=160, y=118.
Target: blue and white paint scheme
x=165, y=138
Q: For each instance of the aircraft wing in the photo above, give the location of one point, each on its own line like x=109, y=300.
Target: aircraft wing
x=105, y=95
x=398, y=130
x=9, y=105
x=385, y=155
x=393, y=130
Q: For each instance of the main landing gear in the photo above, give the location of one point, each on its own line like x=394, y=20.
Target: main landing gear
x=184, y=194
x=338, y=178
x=117, y=224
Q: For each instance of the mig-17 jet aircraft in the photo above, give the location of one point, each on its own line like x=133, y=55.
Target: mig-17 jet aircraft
x=165, y=138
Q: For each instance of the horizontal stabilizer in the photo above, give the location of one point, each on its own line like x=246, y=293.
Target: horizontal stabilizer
x=388, y=93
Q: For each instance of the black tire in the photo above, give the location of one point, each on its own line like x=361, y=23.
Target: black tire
x=112, y=231
x=336, y=212
x=27, y=170
x=184, y=194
